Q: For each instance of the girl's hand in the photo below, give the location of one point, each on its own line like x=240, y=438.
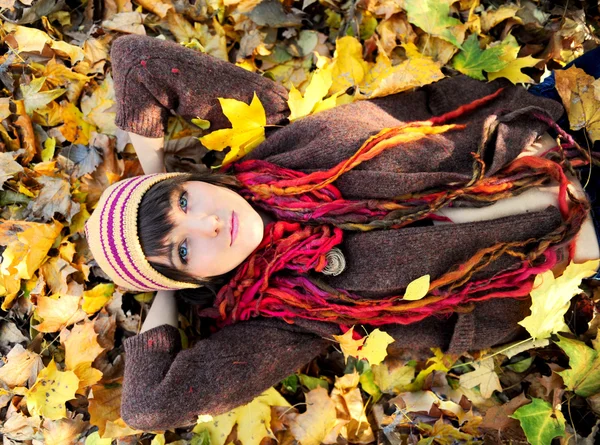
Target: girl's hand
x=150, y=152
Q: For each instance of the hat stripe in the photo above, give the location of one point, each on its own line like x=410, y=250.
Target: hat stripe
x=105, y=239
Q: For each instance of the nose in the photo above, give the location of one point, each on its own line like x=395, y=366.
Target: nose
x=204, y=225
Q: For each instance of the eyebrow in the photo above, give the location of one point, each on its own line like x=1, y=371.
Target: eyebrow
x=171, y=248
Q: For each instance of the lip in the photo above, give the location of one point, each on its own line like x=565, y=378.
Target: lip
x=233, y=227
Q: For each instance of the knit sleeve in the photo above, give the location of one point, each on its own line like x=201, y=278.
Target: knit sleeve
x=166, y=387
x=154, y=78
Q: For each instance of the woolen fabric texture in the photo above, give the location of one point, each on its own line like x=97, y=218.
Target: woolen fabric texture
x=165, y=386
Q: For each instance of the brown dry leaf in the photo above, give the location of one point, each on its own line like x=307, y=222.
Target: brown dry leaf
x=580, y=94
x=55, y=271
x=319, y=424
x=55, y=197
x=63, y=431
x=156, y=6
x=20, y=366
x=498, y=417
x=19, y=427
x=8, y=168
x=58, y=313
x=128, y=22
x=25, y=129
x=394, y=31
x=96, y=55
x=492, y=17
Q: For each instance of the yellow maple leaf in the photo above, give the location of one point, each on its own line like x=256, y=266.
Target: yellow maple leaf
x=512, y=71
x=252, y=419
x=375, y=348
x=20, y=366
x=27, y=245
x=348, y=66
x=247, y=132
x=75, y=128
x=52, y=389
x=95, y=299
x=348, y=345
x=550, y=298
x=318, y=87
x=58, y=313
x=483, y=376
x=372, y=348
x=417, y=289
x=580, y=94
x=81, y=349
x=383, y=79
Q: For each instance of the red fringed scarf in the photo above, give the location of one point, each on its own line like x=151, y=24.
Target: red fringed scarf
x=275, y=280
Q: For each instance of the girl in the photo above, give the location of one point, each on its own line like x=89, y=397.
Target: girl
x=325, y=224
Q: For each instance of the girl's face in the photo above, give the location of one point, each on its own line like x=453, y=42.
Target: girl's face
x=214, y=230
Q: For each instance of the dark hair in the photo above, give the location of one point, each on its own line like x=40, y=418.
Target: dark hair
x=155, y=226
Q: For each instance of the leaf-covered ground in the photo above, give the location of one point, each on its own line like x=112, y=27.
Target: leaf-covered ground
x=62, y=324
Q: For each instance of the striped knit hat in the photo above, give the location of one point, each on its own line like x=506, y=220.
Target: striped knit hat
x=112, y=235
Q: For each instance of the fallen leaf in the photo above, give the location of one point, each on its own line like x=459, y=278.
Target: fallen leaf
x=483, y=376
x=81, y=349
x=247, y=132
x=580, y=94
x=347, y=343
x=512, y=71
x=34, y=98
x=375, y=347
x=417, y=289
x=58, y=313
x=350, y=407
x=472, y=61
x=303, y=104
x=433, y=17
x=540, y=422
x=63, y=431
x=95, y=299
x=390, y=378
x=319, y=424
x=383, y=79
x=75, y=128
x=583, y=377
x=252, y=420
x=498, y=417
x=96, y=107
x=551, y=299
x=52, y=389
x=8, y=168
x=129, y=22
x=20, y=366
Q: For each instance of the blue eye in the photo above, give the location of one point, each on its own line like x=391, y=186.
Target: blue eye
x=183, y=201
x=183, y=252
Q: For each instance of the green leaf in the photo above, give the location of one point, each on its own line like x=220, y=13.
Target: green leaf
x=201, y=438
x=472, y=61
x=540, y=422
x=367, y=382
x=201, y=123
x=521, y=366
x=584, y=376
x=313, y=382
x=290, y=383
x=433, y=17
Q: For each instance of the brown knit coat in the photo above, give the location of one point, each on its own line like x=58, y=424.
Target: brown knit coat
x=165, y=386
